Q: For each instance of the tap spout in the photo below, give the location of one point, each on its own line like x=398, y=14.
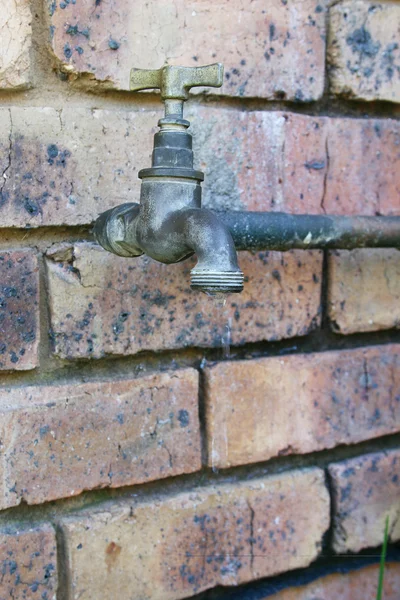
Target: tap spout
x=128, y=231
x=217, y=268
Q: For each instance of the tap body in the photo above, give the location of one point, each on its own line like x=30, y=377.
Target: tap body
x=169, y=224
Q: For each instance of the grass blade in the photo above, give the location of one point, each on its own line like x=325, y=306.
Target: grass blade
x=383, y=560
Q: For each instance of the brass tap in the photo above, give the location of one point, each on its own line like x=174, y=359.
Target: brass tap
x=169, y=224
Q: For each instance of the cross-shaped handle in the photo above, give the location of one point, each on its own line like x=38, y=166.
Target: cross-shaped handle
x=175, y=82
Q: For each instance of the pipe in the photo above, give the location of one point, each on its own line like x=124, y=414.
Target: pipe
x=282, y=231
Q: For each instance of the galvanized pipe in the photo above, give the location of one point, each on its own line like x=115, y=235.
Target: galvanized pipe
x=282, y=231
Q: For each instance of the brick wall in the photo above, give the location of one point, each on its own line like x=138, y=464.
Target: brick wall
x=154, y=445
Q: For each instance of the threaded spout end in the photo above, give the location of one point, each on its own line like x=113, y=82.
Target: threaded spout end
x=228, y=282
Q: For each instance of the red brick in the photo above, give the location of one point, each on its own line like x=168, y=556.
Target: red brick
x=252, y=160
x=364, y=290
x=259, y=160
x=60, y=440
x=363, y=175
x=366, y=490
x=363, y=50
x=16, y=43
x=19, y=310
x=274, y=53
x=172, y=548
x=297, y=163
x=257, y=409
x=123, y=306
x=28, y=563
x=355, y=585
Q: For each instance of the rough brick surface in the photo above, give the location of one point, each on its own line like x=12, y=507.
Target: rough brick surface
x=60, y=440
x=260, y=160
x=301, y=403
x=28, y=564
x=355, y=585
x=366, y=490
x=362, y=174
x=363, y=50
x=19, y=310
x=66, y=166
x=277, y=52
x=103, y=304
x=168, y=549
x=15, y=44
x=364, y=290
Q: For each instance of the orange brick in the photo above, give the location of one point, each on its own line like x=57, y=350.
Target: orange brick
x=363, y=50
x=28, y=563
x=16, y=44
x=19, y=310
x=366, y=490
x=122, y=306
x=172, y=548
x=60, y=440
x=364, y=290
x=277, y=52
x=355, y=585
x=363, y=175
x=257, y=409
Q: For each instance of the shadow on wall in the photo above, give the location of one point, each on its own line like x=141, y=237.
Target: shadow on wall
x=348, y=578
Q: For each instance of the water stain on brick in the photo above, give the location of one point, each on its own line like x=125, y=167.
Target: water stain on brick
x=113, y=551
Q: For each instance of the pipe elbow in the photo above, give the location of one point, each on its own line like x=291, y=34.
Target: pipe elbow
x=217, y=269
x=115, y=230
x=126, y=231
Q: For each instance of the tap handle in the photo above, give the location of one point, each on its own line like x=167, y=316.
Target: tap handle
x=175, y=82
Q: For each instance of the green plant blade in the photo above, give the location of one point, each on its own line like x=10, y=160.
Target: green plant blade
x=383, y=560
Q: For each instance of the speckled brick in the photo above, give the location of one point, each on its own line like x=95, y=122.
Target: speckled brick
x=275, y=52
x=363, y=50
x=300, y=403
x=15, y=45
x=260, y=160
x=364, y=290
x=60, y=440
x=19, y=310
x=280, y=161
x=172, y=548
x=28, y=563
x=65, y=166
x=366, y=490
x=363, y=175
x=355, y=585
x=102, y=304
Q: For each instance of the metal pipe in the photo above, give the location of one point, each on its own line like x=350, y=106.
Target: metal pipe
x=282, y=231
